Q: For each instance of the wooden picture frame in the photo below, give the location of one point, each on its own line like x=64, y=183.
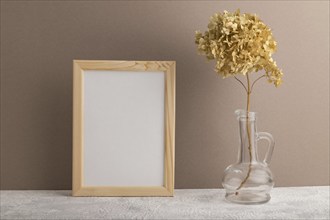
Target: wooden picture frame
x=88, y=77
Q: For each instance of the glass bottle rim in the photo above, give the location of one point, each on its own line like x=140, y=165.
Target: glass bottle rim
x=242, y=114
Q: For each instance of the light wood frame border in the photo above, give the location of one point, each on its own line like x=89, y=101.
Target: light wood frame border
x=78, y=188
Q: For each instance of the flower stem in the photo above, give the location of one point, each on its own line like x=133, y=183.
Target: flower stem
x=248, y=132
x=241, y=83
x=256, y=81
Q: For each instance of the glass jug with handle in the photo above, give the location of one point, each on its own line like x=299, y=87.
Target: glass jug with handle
x=249, y=180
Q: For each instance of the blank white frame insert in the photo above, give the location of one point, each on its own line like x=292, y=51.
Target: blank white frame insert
x=124, y=124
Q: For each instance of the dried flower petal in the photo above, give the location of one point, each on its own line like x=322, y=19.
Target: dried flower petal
x=241, y=44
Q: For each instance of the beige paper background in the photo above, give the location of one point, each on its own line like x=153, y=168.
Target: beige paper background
x=39, y=40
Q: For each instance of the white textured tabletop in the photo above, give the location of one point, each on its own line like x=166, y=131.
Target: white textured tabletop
x=286, y=203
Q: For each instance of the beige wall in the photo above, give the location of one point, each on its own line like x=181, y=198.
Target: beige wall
x=39, y=40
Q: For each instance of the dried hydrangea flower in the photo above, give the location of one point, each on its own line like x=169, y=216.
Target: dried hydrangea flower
x=240, y=44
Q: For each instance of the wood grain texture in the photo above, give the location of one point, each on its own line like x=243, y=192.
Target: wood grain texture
x=77, y=173
x=168, y=67
x=124, y=65
x=170, y=127
x=123, y=191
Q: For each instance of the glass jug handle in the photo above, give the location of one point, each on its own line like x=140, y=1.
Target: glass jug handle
x=270, y=139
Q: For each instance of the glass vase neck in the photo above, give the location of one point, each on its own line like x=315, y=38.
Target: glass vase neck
x=247, y=136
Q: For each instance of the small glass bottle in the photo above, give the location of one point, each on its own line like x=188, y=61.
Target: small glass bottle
x=249, y=181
